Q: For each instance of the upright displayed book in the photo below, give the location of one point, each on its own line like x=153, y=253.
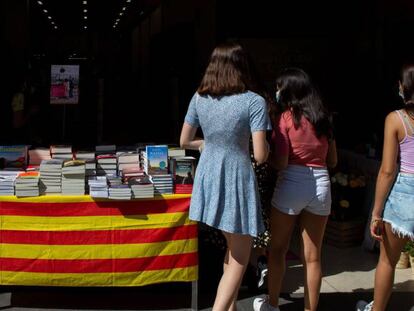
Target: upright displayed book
x=63, y=152
x=183, y=169
x=73, y=177
x=14, y=156
x=156, y=160
x=27, y=184
x=51, y=176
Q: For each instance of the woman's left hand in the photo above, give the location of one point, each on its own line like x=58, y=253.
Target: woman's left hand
x=377, y=229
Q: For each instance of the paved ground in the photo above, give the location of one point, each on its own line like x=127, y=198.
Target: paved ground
x=349, y=275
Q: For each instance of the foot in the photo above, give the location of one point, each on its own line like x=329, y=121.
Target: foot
x=364, y=306
x=262, y=304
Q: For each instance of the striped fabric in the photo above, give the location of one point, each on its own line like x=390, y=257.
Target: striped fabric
x=76, y=241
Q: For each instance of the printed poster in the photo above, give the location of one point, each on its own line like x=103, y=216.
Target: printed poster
x=64, y=84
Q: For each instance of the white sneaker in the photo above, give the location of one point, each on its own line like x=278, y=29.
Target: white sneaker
x=262, y=304
x=364, y=306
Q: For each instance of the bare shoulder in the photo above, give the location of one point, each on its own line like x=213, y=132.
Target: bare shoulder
x=393, y=120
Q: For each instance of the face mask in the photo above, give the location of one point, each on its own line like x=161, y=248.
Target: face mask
x=400, y=92
x=278, y=96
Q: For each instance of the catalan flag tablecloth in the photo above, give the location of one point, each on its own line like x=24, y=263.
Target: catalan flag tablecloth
x=77, y=241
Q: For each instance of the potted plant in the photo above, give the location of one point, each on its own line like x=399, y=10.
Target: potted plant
x=404, y=261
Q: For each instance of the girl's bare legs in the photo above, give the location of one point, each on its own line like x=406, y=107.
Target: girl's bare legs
x=312, y=229
x=384, y=275
x=237, y=258
x=281, y=227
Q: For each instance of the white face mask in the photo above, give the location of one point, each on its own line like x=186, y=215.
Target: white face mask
x=400, y=92
x=278, y=96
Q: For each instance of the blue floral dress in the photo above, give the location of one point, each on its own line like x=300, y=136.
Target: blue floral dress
x=225, y=193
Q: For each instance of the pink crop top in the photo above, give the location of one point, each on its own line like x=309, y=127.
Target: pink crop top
x=406, y=145
x=301, y=144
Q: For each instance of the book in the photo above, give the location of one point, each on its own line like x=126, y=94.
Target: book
x=60, y=149
x=37, y=155
x=128, y=157
x=176, y=152
x=85, y=155
x=13, y=156
x=156, y=159
x=183, y=169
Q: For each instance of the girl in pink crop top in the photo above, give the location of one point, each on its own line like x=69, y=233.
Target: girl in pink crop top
x=392, y=221
x=300, y=144
x=302, y=148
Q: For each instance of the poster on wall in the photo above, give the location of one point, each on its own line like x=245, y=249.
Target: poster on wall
x=64, y=84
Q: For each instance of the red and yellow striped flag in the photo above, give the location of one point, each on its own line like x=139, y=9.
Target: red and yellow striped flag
x=76, y=241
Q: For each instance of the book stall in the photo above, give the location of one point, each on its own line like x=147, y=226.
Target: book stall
x=107, y=217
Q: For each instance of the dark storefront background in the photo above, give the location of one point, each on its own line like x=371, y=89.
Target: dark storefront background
x=137, y=79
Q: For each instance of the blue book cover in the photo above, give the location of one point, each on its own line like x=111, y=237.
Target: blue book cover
x=157, y=157
x=14, y=156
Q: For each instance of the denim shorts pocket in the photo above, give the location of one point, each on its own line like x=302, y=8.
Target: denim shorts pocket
x=402, y=204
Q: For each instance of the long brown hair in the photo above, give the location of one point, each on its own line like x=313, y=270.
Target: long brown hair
x=407, y=85
x=227, y=73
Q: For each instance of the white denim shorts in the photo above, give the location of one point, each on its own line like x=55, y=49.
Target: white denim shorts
x=301, y=188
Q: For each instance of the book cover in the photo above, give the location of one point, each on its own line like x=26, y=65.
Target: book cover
x=183, y=169
x=157, y=159
x=13, y=156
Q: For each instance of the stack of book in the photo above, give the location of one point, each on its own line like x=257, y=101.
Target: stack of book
x=128, y=161
x=7, y=185
x=90, y=161
x=132, y=173
x=61, y=152
x=37, y=155
x=141, y=187
x=120, y=192
x=73, y=177
x=114, y=180
x=51, y=176
x=106, y=164
x=98, y=186
x=163, y=184
x=27, y=184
